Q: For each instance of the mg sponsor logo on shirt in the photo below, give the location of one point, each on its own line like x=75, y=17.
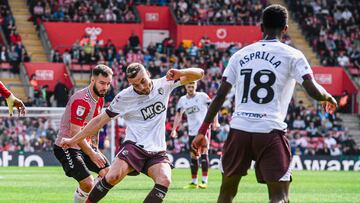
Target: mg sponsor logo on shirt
x=152, y=110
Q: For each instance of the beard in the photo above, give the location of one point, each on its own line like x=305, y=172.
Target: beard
x=97, y=92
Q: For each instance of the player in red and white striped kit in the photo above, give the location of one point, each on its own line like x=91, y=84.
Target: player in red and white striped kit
x=81, y=158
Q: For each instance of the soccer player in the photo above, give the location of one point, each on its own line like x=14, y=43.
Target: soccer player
x=194, y=105
x=143, y=106
x=84, y=156
x=12, y=101
x=264, y=75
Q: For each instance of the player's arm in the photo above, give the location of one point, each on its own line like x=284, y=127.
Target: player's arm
x=302, y=72
x=317, y=92
x=12, y=101
x=90, y=129
x=185, y=75
x=216, y=104
x=200, y=139
x=177, y=121
x=86, y=148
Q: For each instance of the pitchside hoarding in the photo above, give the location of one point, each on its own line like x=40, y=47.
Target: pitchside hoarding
x=317, y=163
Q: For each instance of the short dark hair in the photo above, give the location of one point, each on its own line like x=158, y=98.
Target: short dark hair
x=133, y=69
x=103, y=70
x=274, y=16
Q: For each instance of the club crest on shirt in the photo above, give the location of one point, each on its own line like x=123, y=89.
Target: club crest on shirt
x=161, y=91
x=124, y=152
x=80, y=111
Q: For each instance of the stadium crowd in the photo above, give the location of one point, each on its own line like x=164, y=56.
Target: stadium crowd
x=332, y=29
x=311, y=131
x=218, y=12
x=15, y=52
x=28, y=134
x=82, y=11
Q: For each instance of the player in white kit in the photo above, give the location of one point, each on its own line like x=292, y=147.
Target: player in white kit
x=194, y=105
x=143, y=106
x=84, y=157
x=264, y=75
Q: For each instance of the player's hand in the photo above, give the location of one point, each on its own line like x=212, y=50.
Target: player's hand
x=65, y=143
x=199, y=143
x=12, y=102
x=173, y=134
x=330, y=105
x=173, y=74
x=97, y=159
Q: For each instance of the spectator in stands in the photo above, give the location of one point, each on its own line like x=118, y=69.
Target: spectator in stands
x=66, y=57
x=134, y=41
x=4, y=57
x=38, y=12
x=61, y=94
x=299, y=123
x=343, y=60
x=14, y=59
x=57, y=57
x=14, y=37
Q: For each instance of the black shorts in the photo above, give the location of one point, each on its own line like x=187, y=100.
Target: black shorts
x=139, y=159
x=271, y=151
x=76, y=163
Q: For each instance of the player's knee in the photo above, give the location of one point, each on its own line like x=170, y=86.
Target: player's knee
x=86, y=185
x=164, y=181
x=104, y=171
x=193, y=156
x=113, y=178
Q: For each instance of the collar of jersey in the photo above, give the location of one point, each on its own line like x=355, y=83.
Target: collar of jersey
x=192, y=96
x=269, y=40
x=88, y=89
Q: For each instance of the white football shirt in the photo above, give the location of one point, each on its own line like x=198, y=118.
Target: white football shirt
x=145, y=115
x=264, y=75
x=195, y=109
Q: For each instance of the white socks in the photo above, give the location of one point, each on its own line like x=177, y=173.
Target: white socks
x=205, y=179
x=80, y=196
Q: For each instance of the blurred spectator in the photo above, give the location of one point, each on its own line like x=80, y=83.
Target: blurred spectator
x=82, y=11
x=61, y=93
x=331, y=29
x=218, y=12
x=134, y=41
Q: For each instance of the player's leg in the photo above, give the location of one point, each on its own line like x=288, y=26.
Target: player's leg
x=161, y=174
x=83, y=190
x=194, y=167
x=74, y=166
x=278, y=191
x=205, y=164
x=118, y=170
x=228, y=189
x=235, y=162
x=94, y=168
x=273, y=164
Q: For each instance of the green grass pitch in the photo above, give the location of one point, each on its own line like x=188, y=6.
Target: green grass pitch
x=49, y=184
